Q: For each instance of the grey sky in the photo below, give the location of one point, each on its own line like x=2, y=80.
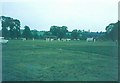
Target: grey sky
x=75, y=14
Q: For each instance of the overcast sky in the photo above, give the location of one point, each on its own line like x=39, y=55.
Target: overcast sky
x=75, y=14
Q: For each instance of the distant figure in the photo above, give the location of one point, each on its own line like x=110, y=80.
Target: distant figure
x=91, y=39
x=68, y=39
x=78, y=39
x=47, y=39
x=23, y=39
x=58, y=39
x=94, y=40
x=51, y=39
x=33, y=39
x=63, y=39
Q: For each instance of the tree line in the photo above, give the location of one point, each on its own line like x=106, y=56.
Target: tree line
x=11, y=30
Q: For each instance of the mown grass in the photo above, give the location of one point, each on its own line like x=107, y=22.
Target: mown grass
x=75, y=60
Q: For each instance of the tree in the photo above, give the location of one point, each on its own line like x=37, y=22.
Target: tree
x=5, y=32
x=47, y=33
x=60, y=32
x=10, y=27
x=54, y=30
x=112, y=31
x=35, y=34
x=41, y=34
x=27, y=33
x=68, y=35
x=75, y=34
x=6, y=21
x=17, y=28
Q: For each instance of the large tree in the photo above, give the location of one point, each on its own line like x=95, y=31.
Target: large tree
x=112, y=31
x=6, y=22
x=75, y=34
x=35, y=34
x=10, y=27
x=60, y=32
x=27, y=33
x=17, y=28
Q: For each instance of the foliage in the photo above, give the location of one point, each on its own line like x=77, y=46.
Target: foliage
x=112, y=31
x=47, y=33
x=35, y=34
x=5, y=32
x=10, y=27
x=60, y=32
x=68, y=35
x=75, y=34
x=27, y=33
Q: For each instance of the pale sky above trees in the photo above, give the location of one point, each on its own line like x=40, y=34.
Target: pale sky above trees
x=75, y=14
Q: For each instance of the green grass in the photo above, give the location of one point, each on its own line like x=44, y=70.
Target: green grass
x=75, y=60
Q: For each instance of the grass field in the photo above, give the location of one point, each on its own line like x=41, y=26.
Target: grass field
x=74, y=60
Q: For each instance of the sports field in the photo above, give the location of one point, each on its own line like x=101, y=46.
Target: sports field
x=71, y=60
